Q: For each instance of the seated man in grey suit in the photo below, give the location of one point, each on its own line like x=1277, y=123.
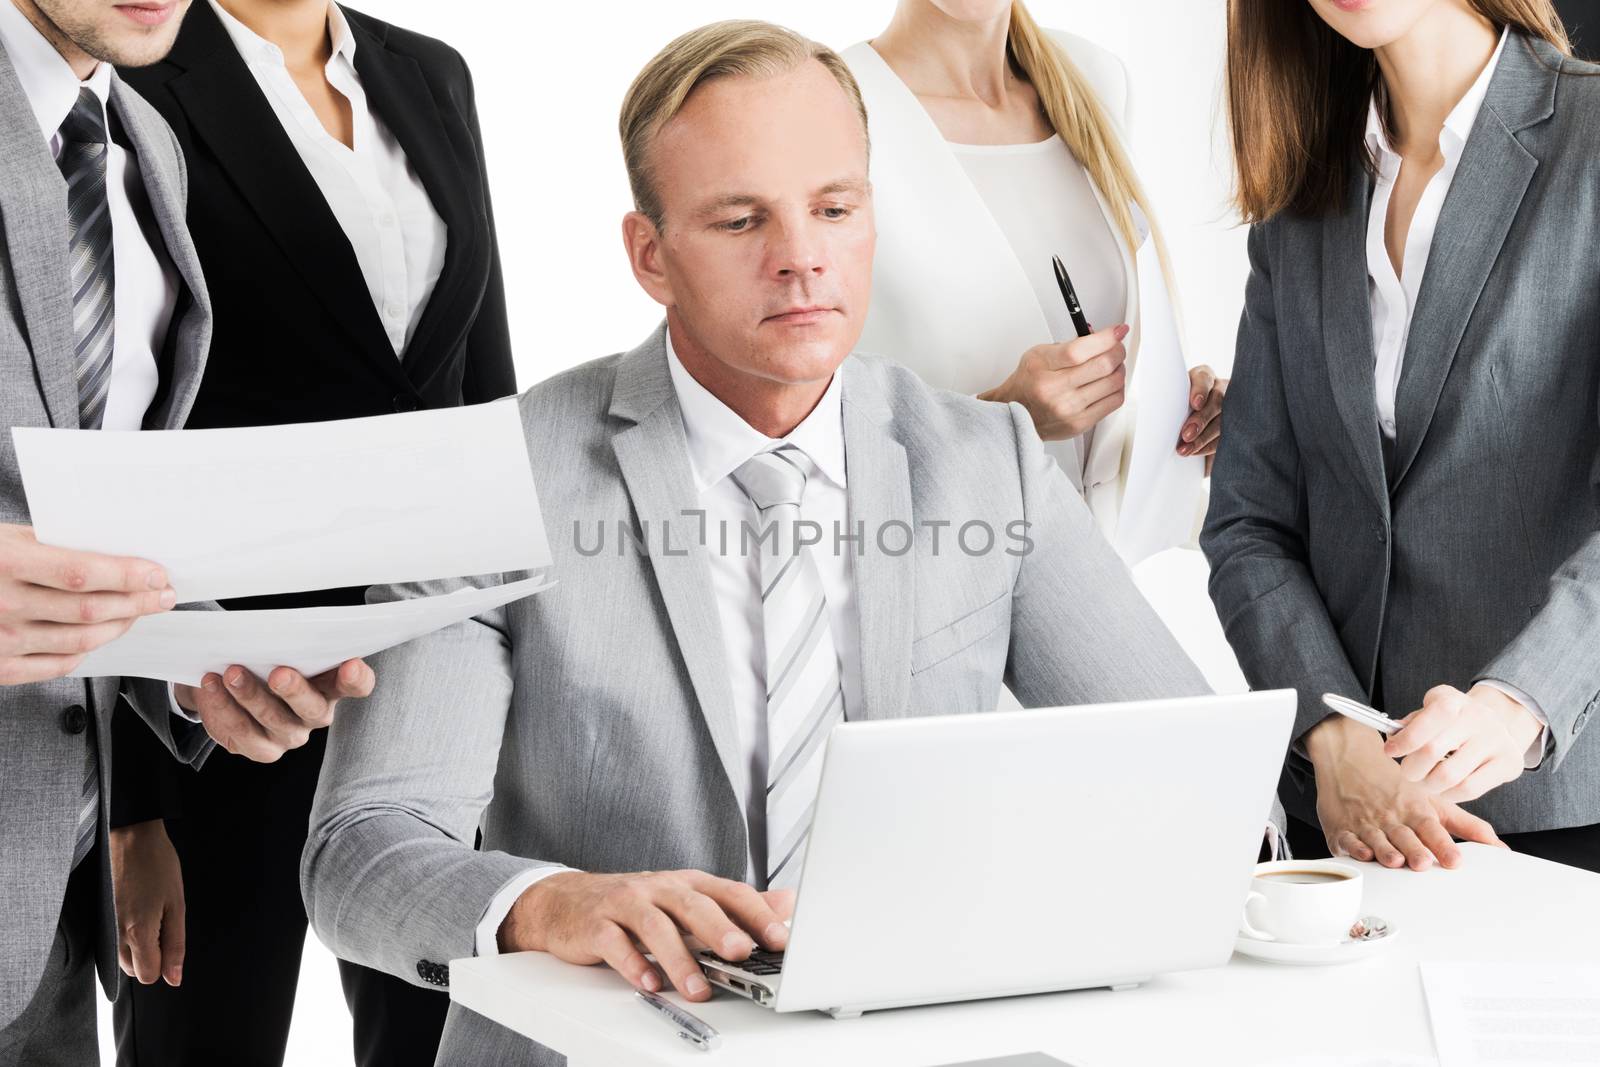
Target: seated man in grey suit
x=757, y=535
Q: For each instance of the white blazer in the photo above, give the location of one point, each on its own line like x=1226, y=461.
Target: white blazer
x=946, y=284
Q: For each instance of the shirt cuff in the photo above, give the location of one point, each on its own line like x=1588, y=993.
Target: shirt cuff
x=1535, y=753
x=178, y=709
x=487, y=939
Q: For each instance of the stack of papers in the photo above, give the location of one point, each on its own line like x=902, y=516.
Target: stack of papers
x=283, y=509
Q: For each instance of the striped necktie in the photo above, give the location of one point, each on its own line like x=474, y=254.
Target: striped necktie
x=84, y=147
x=804, y=697
x=83, y=164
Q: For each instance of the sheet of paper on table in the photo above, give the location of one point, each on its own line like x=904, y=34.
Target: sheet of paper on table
x=284, y=509
x=1527, y=1014
x=183, y=646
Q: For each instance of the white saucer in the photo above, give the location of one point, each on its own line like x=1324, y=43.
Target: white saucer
x=1383, y=933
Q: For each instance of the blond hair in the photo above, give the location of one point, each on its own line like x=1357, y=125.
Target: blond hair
x=1078, y=116
x=733, y=47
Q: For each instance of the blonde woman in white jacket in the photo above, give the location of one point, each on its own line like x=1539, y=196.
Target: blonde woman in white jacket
x=996, y=145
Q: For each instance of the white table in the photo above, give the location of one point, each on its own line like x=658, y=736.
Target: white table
x=1496, y=906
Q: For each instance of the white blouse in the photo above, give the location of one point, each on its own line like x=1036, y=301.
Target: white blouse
x=376, y=196
x=1044, y=203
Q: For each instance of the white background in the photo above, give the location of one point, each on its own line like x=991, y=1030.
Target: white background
x=550, y=79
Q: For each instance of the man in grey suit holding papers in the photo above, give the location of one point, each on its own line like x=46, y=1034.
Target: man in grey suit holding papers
x=756, y=535
x=104, y=322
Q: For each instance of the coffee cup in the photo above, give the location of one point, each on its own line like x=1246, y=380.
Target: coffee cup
x=1303, y=902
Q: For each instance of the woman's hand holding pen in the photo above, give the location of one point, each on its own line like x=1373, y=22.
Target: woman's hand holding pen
x=1203, y=429
x=1069, y=387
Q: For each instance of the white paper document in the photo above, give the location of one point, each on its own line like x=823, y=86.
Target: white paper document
x=183, y=646
x=1527, y=1015
x=286, y=509
x=1160, y=482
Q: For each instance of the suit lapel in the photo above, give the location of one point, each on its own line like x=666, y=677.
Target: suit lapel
x=33, y=211
x=228, y=112
x=397, y=91
x=653, y=455
x=1478, y=213
x=153, y=146
x=878, y=491
x=1347, y=333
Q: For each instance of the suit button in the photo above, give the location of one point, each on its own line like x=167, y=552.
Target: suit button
x=405, y=402
x=1383, y=535
x=75, y=719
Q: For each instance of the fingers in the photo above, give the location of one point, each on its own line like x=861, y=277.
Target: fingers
x=1439, y=709
x=617, y=949
x=753, y=915
x=1467, y=826
x=144, y=949
x=351, y=680
x=302, y=699
x=229, y=724
x=1454, y=769
x=22, y=670
x=1404, y=838
x=1349, y=843
x=1201, y=381
x=40, y=604
x=660, y=935
x=1491, y=774
x=1382, y=848
x=1436, y=839
x=275, y=717
x=25, y=560
x=59, y=638
x=174, y=943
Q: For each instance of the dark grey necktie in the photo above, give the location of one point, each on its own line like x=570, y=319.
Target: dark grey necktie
x=93, y=271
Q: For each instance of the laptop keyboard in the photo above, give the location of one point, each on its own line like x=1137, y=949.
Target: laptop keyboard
x=761, y=962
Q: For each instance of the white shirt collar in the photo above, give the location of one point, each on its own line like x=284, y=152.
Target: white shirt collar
x=47, y=80
x=720, y=440
x=253, y=47
x=1457, y=125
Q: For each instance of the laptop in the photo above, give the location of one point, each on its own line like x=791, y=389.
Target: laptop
x=972, y=856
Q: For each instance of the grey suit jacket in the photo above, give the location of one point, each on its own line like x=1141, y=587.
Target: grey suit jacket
x=41, y=762
x=593, y=725
x=1475, y=552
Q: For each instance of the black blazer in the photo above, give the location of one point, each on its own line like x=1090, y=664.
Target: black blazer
x=296, y=337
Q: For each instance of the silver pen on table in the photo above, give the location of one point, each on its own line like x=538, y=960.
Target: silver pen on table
x=699, y=1033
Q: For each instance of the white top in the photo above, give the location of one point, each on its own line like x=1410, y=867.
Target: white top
x=146, y=286
x=1044, y=203
x=1394, y=298
x=380, y=203
x=719, y=442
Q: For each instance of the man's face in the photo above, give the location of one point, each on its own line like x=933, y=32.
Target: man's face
x=121, y=33
x=766, y=250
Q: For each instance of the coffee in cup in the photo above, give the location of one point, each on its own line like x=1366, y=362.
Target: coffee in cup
x=1305, y=902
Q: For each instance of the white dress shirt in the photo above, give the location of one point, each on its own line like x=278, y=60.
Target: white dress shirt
x=146, y=284
x=719, y=441
x=372, y=190
x=1393, y=297
x=1044, y=203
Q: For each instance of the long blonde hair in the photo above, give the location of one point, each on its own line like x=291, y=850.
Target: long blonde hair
x=1081, y=120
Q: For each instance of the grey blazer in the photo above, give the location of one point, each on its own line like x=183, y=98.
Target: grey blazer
x=593, y=725
x=1475, y=551
x=41, y=744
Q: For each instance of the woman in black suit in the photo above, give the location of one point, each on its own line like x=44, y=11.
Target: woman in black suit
x=340, y=207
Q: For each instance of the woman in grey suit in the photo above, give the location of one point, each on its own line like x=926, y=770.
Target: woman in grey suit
x=1404, y=508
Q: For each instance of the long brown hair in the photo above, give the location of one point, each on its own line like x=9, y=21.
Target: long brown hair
x=1297, y=100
